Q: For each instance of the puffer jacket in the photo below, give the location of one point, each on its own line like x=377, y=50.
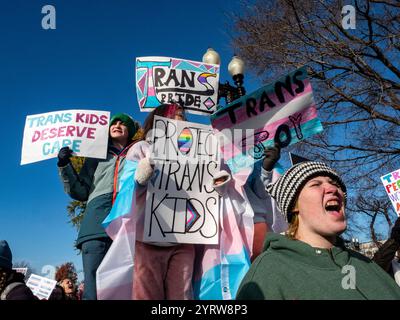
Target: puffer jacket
x=98, y=184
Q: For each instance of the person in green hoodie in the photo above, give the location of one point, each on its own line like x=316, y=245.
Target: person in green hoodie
x=310, y=261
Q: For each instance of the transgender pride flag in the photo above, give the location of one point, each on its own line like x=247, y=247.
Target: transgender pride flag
x=283, y=112
x=114, y=277
x=223, y=266
x=220, y=270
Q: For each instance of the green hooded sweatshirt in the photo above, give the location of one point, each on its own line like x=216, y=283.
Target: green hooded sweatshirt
x=293, y=270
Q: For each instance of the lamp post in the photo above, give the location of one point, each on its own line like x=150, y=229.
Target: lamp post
x=236, y=70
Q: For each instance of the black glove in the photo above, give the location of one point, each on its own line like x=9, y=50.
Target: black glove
x=272, y=155
x=395, y=234
x=64, y=156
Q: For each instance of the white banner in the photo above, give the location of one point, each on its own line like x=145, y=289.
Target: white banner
x=84, y=131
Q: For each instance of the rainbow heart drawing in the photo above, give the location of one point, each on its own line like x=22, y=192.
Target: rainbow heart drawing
x=185, y=141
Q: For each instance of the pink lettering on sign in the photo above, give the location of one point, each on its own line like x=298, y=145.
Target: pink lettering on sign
x=64, y=131
x=396, y=175
x=91, y=119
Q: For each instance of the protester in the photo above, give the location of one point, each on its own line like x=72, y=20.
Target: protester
x=97, y=183
x=310, y=261
x=385, y=256
x=12, y=284
x=162, y=270
x=66, y=278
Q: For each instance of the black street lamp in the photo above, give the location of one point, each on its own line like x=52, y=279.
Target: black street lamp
x=236, y=70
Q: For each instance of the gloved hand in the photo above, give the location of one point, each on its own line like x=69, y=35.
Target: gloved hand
x=272, y=155
x=220, y=182
x=64, y=156
x=144, y=171
x=395, y=234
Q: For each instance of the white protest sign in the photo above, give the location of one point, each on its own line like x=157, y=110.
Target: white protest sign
x=164, y=80
x=84, y=131
x=391, y=182
x=41, y=287
x=21, y=270
x=181, y=205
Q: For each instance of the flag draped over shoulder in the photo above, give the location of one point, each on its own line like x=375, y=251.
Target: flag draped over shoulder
x=114, y=277
x=221, y=268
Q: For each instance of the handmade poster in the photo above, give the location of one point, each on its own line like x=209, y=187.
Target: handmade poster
x=181, y=205
x=21, y=270
x=282, y=112
x=41, y=287
x=164, y=80
x=391, y=182
x=84, y=131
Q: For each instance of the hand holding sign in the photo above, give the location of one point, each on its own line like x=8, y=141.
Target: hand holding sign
x=272, y=155
x=64, y=156
x=144, y=171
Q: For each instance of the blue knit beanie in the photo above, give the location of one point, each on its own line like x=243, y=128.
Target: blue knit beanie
x=5, y=255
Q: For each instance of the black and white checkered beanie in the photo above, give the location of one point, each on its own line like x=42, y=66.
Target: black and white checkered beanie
x=287, y=188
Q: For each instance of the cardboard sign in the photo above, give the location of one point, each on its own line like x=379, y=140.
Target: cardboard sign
x=181, y=205
x=84, y=131
x=164, y=80
x=391, y=182
x=282, y=112
x=41, y=287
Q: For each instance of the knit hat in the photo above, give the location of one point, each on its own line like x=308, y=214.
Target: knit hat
x=131, y=124
x=287, y=188
x=5, y=255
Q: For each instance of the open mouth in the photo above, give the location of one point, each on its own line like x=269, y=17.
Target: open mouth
x=333, y=206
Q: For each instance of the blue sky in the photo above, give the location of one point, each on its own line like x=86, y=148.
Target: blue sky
x=86, y=63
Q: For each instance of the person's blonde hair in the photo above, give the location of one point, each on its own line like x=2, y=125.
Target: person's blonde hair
x=294, y=223
x=293, y=226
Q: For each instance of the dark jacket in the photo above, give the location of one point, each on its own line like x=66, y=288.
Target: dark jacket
x=385, y=254
x=58, y=293
x=13, y=287
x=293, y=270
x=98, y=184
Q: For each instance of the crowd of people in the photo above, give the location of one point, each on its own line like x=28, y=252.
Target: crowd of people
x=303, y=258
